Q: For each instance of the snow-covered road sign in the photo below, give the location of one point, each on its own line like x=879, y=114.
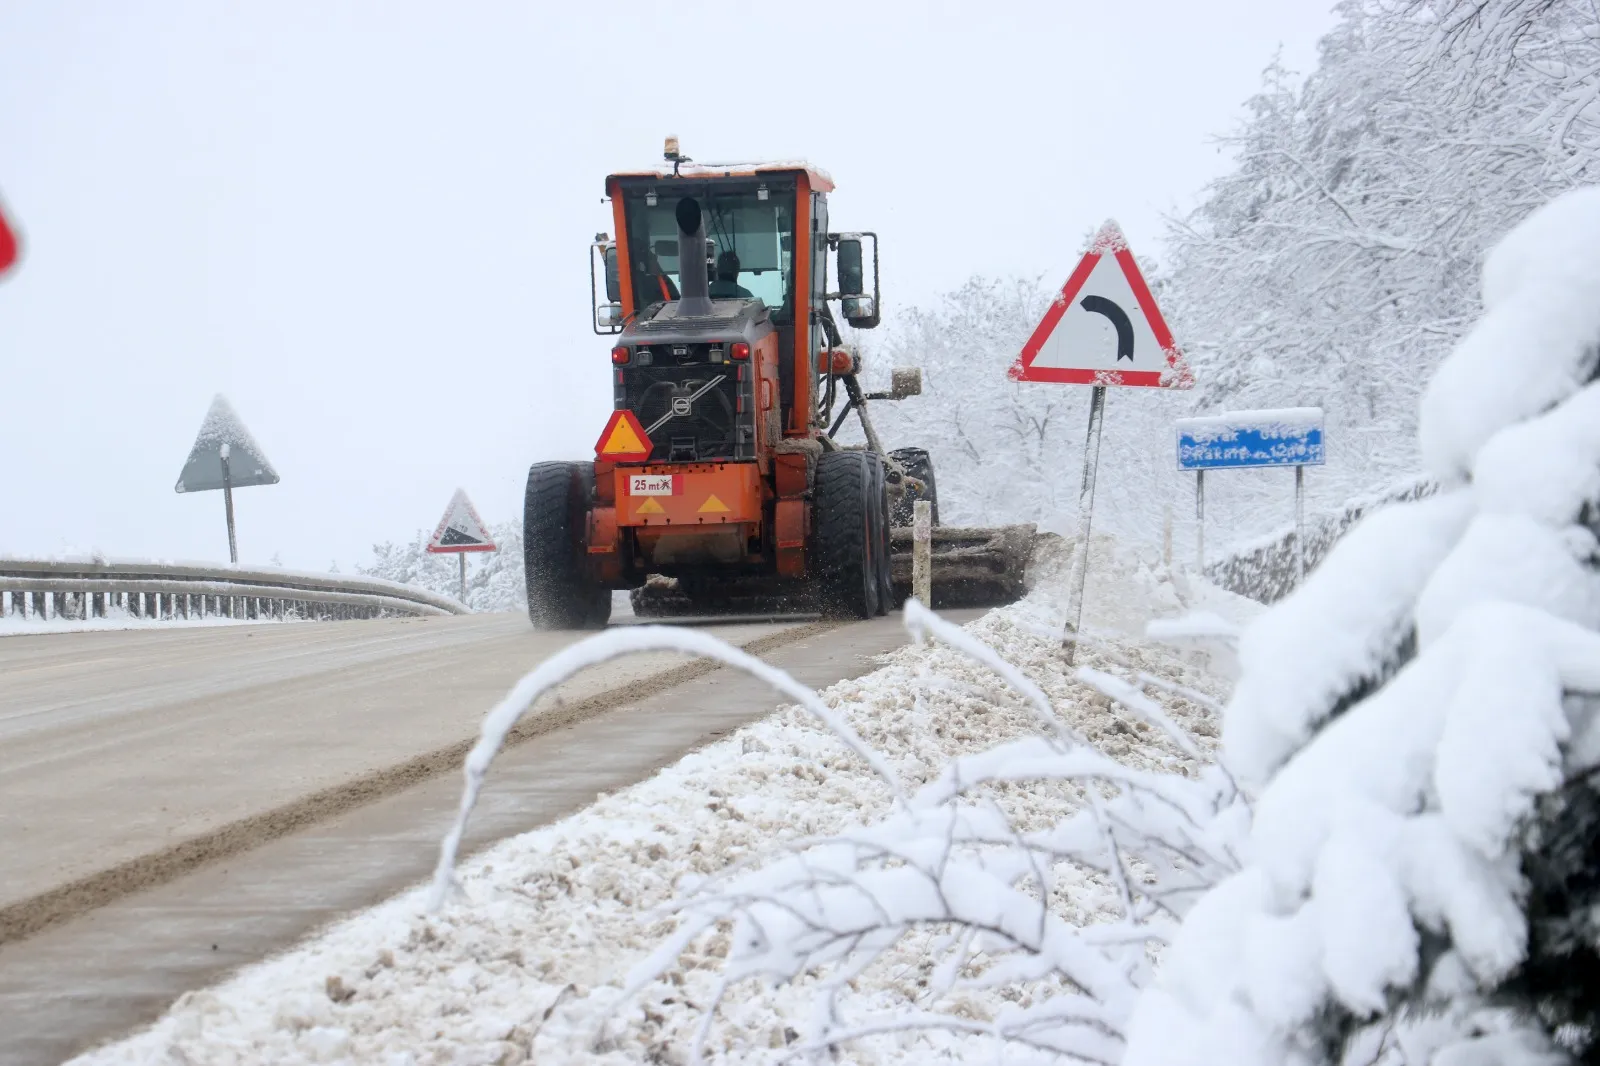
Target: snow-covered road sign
x=1104, y=328
x=461, y=530
x=223, y=436
x=1291, y=436
x=225, y=456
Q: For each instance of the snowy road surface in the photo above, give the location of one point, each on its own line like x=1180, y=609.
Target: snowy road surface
x=117, y=745
x=121, y=747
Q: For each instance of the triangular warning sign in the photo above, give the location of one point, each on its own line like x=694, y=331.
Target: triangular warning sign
x=649, y=506
x=223, y=436
x=1105, y=327
x=8, y=244
x=461, y=530
x=713, y=505
x=624, y=439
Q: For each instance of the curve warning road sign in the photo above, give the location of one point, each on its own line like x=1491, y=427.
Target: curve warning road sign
x=1105, y=327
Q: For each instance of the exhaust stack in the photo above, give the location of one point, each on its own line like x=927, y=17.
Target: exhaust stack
x=694, y=282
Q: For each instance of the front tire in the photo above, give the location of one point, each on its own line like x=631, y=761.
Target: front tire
x=846, y=562
x=555, y=510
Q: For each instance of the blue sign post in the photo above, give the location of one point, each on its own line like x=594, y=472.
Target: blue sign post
x=1291, y=436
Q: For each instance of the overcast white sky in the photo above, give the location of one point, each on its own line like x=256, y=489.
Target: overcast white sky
x=366, y=223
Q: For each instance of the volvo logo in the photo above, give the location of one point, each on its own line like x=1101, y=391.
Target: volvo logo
x=682, y=406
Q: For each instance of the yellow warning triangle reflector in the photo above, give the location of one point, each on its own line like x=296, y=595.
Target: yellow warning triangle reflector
x=623, y=440
x=713, y=504
x=649, y=507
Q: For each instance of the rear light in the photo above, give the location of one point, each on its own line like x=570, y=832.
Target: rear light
x=740, y=350
x=619, y=354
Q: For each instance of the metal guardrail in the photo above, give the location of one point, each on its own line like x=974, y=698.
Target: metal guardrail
x=1266, y=570
x=83, y=588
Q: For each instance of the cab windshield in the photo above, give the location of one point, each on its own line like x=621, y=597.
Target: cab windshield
x=759, y=232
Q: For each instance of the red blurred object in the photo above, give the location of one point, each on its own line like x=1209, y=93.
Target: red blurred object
x=8, y=244
x=619, y=355
x=740, y=351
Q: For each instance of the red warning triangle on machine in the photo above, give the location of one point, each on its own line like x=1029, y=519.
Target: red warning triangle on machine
x=461, y=530
x=1105, y=327
x=623, y=440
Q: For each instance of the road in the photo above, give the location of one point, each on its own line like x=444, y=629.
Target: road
x=176, y=803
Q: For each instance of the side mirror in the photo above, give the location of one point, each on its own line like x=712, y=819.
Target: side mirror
x=861, y=312
x=607, y=315
x=851, y=280
x=905, y=382
x=859, y=302
x=613, y=276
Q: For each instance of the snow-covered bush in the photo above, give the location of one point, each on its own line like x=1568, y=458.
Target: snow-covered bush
x=985, y=870
x=1421, y=720
x=494, y=579
x=960, y=867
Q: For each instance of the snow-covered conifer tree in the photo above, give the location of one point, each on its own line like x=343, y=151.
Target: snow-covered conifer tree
x=1420, y=719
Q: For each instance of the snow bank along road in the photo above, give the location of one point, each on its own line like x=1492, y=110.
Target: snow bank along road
x=175, y=803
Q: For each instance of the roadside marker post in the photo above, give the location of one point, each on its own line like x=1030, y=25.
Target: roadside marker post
x=1245, y=440
x=1104, y=329
x=461, y=531
x=225, y=456
x=922, y=552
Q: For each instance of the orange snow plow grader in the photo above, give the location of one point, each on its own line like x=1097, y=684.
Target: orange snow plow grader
x=718, y=485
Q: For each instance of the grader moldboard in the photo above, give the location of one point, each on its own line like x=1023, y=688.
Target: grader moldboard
x=718, y=487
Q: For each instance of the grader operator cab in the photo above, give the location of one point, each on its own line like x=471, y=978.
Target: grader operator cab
x=718, y=483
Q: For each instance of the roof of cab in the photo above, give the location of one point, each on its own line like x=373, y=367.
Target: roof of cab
x=820, y=180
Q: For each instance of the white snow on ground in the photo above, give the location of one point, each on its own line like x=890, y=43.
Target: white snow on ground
x=527, y=964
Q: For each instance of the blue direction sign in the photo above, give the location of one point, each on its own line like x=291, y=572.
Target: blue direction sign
x=1291, y=436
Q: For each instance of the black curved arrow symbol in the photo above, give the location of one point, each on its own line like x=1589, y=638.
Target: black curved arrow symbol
x=1099, y=305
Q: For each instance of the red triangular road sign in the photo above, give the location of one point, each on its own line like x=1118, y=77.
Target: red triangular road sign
x=1105, y=327
x=461, y=530
x=8, y=244
x=623, y=440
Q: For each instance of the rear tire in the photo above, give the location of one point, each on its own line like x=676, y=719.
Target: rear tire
x=555, y=510
x=846, y=562
x=918, y=464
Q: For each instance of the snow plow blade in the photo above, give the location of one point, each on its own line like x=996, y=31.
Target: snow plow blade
x=972, y=567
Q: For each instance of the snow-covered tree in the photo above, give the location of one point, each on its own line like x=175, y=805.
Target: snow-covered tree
x=494, y=579
x=1422, y=719
x=1335, y=265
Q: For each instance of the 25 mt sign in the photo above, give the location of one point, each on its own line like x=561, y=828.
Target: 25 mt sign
x=655, y=485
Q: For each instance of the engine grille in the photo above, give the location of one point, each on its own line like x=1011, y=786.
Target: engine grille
x=706, y=407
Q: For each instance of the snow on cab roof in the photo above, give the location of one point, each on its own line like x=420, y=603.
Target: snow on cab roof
x=821, y=180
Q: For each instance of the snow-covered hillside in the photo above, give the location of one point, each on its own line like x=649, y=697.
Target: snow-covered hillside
x=1335, y=266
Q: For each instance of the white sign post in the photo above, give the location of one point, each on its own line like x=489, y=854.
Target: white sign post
x=461, y=531
x=1103, y=329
